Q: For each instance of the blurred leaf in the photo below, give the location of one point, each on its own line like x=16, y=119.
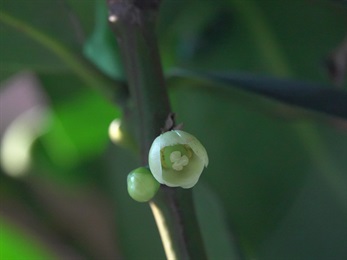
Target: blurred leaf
x=135, y=223
x=19, y=52
x=51, y=17
x=313, y=96
x=314, y=228
x=257, y=160
x=60, y=49
x=249, y=35
x=217, y=237
x=309, y=21
x=79, y=128
x=101, y=47
x=15, y=244
x=82, y=15
x=180, y=28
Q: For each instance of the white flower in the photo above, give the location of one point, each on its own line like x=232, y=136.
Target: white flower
x=177, y=159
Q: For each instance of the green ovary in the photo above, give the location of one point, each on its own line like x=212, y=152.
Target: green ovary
x=176, y=156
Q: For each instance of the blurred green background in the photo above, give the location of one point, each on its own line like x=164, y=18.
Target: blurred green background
x=276, y=186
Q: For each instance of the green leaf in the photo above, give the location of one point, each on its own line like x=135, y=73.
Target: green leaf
x=20, y=52
x=81, y=14
x=257, y=162
x=180, y=29
x=261, y=36
x=62, y=50
x=79, y=128
x=101, y=47
x=15, y=244
x=307, y=95
x=80, y=118
x=216, y=232
x=315, y=226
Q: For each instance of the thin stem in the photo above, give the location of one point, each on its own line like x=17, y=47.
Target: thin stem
x=134, y=24
x=174, y=215
x=134, y=29
x=74, y=62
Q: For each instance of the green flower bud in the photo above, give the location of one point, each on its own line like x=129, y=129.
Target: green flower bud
x=142, y=186
x=177, y=159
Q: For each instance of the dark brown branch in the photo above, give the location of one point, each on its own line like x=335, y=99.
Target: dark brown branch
x=133, y=22
x=134, y=28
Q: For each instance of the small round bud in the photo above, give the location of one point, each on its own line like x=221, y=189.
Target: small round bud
x=177, y=159
x=142, y=186
x=114, y=131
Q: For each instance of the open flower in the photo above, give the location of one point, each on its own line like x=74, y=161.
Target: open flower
x=177, y=159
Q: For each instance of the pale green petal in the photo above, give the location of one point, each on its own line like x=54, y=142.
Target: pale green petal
x=190, y=174
x=154, y=160
x=194, y=143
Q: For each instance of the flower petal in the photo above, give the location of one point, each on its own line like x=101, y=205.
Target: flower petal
x=196, y=146
x=185, y=178
x=154, y=159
